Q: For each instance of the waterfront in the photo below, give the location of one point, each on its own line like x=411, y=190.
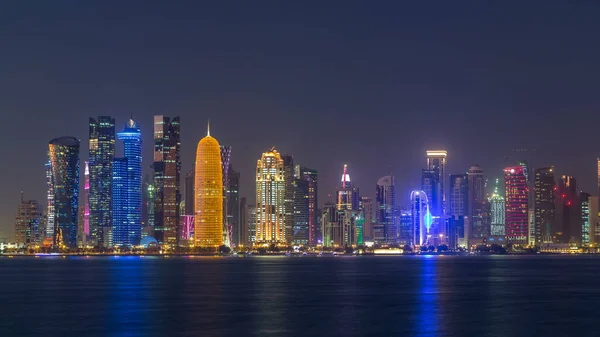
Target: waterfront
x=299, y=296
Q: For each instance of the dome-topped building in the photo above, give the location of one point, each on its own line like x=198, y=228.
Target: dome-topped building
x=208, y=198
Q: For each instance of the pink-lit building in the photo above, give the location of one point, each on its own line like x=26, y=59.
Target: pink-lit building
x=516, y=201
x=187, y=227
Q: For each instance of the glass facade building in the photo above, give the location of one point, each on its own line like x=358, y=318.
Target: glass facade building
x=386, y=208
x=309, y=187
x=127, y=189
x=232, y=196
x=208, y=221
x=544, y=204
x=28, y=223
x=516, y=205
x=101, y=156
x=436, y=165
x=167, y=177
x=63, y=158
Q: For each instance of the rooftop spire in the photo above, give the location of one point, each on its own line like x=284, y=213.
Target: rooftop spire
x=208, y=129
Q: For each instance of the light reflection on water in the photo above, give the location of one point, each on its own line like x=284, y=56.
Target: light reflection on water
x=288, y=296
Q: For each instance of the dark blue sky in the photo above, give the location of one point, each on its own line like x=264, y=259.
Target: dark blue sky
x=369, y=84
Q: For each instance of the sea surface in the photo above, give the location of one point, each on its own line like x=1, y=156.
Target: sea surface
x=300, y=296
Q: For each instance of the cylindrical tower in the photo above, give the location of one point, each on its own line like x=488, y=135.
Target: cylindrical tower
x=208, y=198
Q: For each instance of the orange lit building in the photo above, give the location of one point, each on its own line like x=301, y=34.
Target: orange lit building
x=208, y=198
x=270, y=198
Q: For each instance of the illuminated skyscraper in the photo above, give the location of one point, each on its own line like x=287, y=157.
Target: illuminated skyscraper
x=63, y=156
x=127, y=188
x=189, y=192
x=459, y=221
x=568, y=211
x=309, y=183
x=86, y=205
x=225, y=161
x=332, y=235
x=516, y=202
x=288, y=175
x=49, y=223
x=386, y=214
x=28, y=222
x=270, y=198
x=366, y=208
x=348, y=211
x=436, y=163
x=167, y=173
x=497, y=212
x=586, y=230
x=544, y=204
x=101, y=156
x=476, y=190
x=347, y=195
x=244, y=225
x=421, y=217
x=300, y=227
x=598, y=164
x=208, y=221
x=232, y=195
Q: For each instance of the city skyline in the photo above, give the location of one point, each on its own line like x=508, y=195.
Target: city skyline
x=367, y=97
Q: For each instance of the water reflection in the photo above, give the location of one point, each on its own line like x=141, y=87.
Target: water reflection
x=129, y=298
x=428, y=303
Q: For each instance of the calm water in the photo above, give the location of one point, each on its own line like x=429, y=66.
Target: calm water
x=302, y=296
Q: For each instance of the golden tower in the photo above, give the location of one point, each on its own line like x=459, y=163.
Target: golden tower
x=208, y=198
x=270, y=198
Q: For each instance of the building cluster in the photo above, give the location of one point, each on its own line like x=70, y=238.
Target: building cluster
x=121, y=208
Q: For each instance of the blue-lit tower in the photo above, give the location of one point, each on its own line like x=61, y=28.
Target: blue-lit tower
x=421, y=217
x=127, y=188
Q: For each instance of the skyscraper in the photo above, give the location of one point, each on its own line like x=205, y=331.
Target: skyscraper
x=225, y=161
x=476, y=190
x=421, y=218
x=244, y=226
x=233, y=205
x=301, y=210
x=288, y=174
x=311, y=177
x=270, y=198
x=598, y=176
x=348, y=212
x=586, y=230
x=63, y=156
x=208, y=189
x=594, y=220
x=330, y=226
x=568, y=211
x=459, y=221
x=347, y=195
x=436, y=162
x=127, y=188
x=86, y=205
x=167, y=175
x=516, y=205
x=497, y=212
x=366, y=208
x=189, y=192
x=49, y=223
x=544, y=204
x=28, y=222
x=386, y=208
x=101, y=156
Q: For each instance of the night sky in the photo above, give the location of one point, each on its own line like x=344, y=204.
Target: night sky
x=371, y=84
